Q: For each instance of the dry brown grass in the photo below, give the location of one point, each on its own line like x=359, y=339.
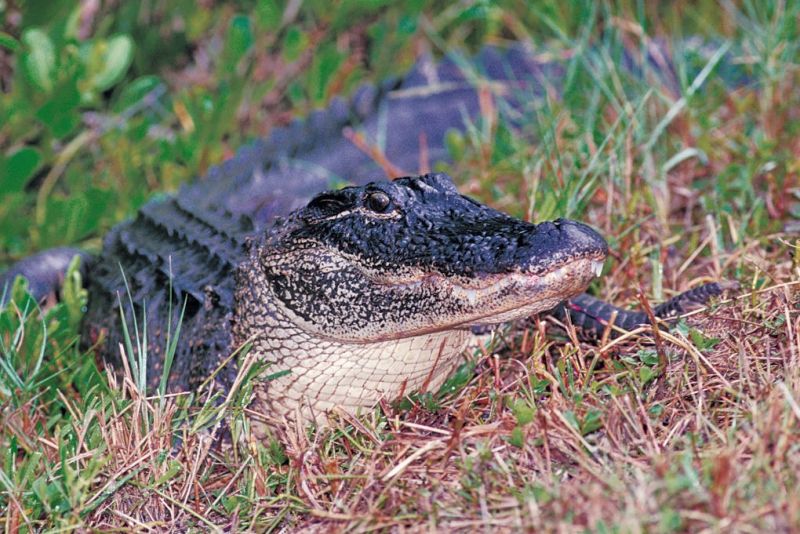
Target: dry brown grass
x=711, y=444
x=722, y=452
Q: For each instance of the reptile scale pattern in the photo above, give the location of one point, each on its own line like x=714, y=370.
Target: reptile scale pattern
x=188, y=248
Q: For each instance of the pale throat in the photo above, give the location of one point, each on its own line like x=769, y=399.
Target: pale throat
x=321, y=374
x=324, y=374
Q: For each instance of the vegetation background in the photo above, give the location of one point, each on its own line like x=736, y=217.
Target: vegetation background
x=105, y=104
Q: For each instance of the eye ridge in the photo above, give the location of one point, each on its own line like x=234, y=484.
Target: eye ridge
x=329, y=203
x=378, y=202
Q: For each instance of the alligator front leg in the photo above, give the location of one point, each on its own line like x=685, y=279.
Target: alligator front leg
x=591, y=315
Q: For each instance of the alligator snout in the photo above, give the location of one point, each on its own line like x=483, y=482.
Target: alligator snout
x=582, y=238
x=549, y=245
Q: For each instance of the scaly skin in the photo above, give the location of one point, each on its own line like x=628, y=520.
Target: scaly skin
x=196, y=243
x=591, y=316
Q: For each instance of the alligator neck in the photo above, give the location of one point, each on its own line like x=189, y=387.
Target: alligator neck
x=323, y=373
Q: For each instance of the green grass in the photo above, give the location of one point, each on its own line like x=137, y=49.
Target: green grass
x=537, y=432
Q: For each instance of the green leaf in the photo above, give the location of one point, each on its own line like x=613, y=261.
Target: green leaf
x=268, y=15
x=40, y=60
x=63, y=124
x=173, y=469
x=503, y=148
x=517, y=437
x=136, y=91
x=670, y=521
x=593, y=420
x=407, y=25
x=701, y=341
x=116, y=55
x=6, y=41
x=294, y=42
x=458, y=380
x=73, y=295
x=277, y=453
x=646, y=374
x=326, y=63
x=523, y=412
x=682, y=327
x=455, y=143
x=648, y=356
x=72, y=23
x=238, y=42
x=60, y=112
x=19, y=168
x=569, y=415
x=478, y=11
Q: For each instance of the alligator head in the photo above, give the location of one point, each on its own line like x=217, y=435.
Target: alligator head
x=399, y=271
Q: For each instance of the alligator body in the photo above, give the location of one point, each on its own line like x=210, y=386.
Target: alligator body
x=361, y=293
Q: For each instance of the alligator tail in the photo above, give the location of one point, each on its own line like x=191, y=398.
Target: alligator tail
x=45, y=272
x=591, y=315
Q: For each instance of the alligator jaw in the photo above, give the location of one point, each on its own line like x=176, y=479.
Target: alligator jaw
x=522, y=294
x=326, y=373
x=541, y=292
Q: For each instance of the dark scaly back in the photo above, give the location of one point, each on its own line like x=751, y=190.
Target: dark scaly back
x=168, y=245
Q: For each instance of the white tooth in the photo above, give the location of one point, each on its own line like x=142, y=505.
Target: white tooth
x=472, y=296
x=597, y=267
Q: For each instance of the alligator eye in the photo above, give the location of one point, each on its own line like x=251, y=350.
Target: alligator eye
x=378, y=202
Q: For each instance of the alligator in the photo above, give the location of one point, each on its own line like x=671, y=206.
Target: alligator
x=351, y=294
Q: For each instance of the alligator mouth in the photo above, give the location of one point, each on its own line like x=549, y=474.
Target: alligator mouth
x=566, y=271
x=501, y=297
x=524, y=294
x=370, y=305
